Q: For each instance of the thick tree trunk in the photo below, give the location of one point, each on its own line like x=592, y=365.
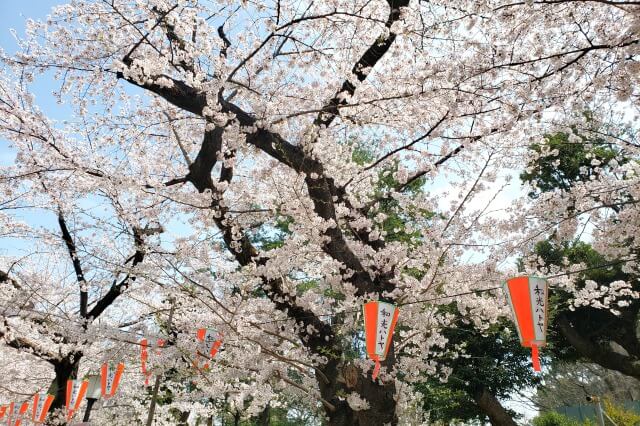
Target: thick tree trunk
x=596, y=353
x=264, y=419
x=489, y=404
x=337, y=379
x=64, y=370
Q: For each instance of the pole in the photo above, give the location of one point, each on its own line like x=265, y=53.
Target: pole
x=87, y=411
x=599, y=413
x=156, y=386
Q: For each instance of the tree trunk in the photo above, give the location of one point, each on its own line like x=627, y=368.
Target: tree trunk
x=336, y=379
x=264, y=418
x=594, y=352
x=498, y=415
x=64, y=370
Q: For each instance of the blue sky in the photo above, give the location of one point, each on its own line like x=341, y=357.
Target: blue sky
x=14, y=15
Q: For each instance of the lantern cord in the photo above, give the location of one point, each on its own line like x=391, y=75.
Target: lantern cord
x=433, y=299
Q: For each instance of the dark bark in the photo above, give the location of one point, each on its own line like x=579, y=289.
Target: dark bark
x=489, y=404
x=64, y=369
x=324, y=195
x=346, y=378
x=77, y=267
x=596, y=352
x=118, y=287
x=369, y=58
x=264, y=419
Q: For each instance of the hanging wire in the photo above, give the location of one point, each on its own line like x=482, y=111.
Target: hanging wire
x=328, y=315
x=433, y=299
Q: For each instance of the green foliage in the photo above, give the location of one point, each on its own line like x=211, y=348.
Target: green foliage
x=600, y=325
x=271, y=237
x=446, y=404
x=552, y=418
x=360, y=154
x=496, y=362
x=566, y=163
x=620, y=415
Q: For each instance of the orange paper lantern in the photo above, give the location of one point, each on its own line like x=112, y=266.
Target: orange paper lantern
x=210, y=342
x=144, y=357
x=110, y=379
x=4, y=409
x=76, y=390
x=527, y=297
x=21, y=412
x=379, y=321
x=41, y=404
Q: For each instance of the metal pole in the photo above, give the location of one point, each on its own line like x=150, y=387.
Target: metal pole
x=599, y=413
x=156, y=386
x=87, y=411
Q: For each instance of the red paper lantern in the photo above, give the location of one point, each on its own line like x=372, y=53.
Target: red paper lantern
x=110, y=379
x=379, y=321
x=21, y=413
x=144, y=357
x=6, y=409
x=209, y=343
x=76, y=390
x=41, y=404
x=528, y=297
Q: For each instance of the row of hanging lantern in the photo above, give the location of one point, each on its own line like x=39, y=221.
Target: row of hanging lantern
x=209, y=342
x=110, y=375
x=14, y=418
x=76, y=391
x=527, y=297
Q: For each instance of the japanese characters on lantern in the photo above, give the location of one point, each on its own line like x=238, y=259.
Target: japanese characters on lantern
x=110, y=379
x=144, y=357
x=76, y=390
x=5, y=409
x=379, y=321
x=528, y=298
x=24, y=407
x=41, y=404
x=209, y=343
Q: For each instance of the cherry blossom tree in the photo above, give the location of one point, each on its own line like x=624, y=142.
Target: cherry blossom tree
x=595, y=317
x=205, y=125
x=70, y=267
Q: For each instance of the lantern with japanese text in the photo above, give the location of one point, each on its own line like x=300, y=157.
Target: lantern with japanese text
x=110, y=378
x=6, y=410
x=17, y=421
x=76, y=390
x=379, y=321
x=41, y=403
x=527, y=297
x=144, y=357
x=209, y=344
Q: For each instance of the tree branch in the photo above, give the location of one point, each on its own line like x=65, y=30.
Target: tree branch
x=596, y=352
x=71, y=248
x=362, y=67
x=117, y=288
